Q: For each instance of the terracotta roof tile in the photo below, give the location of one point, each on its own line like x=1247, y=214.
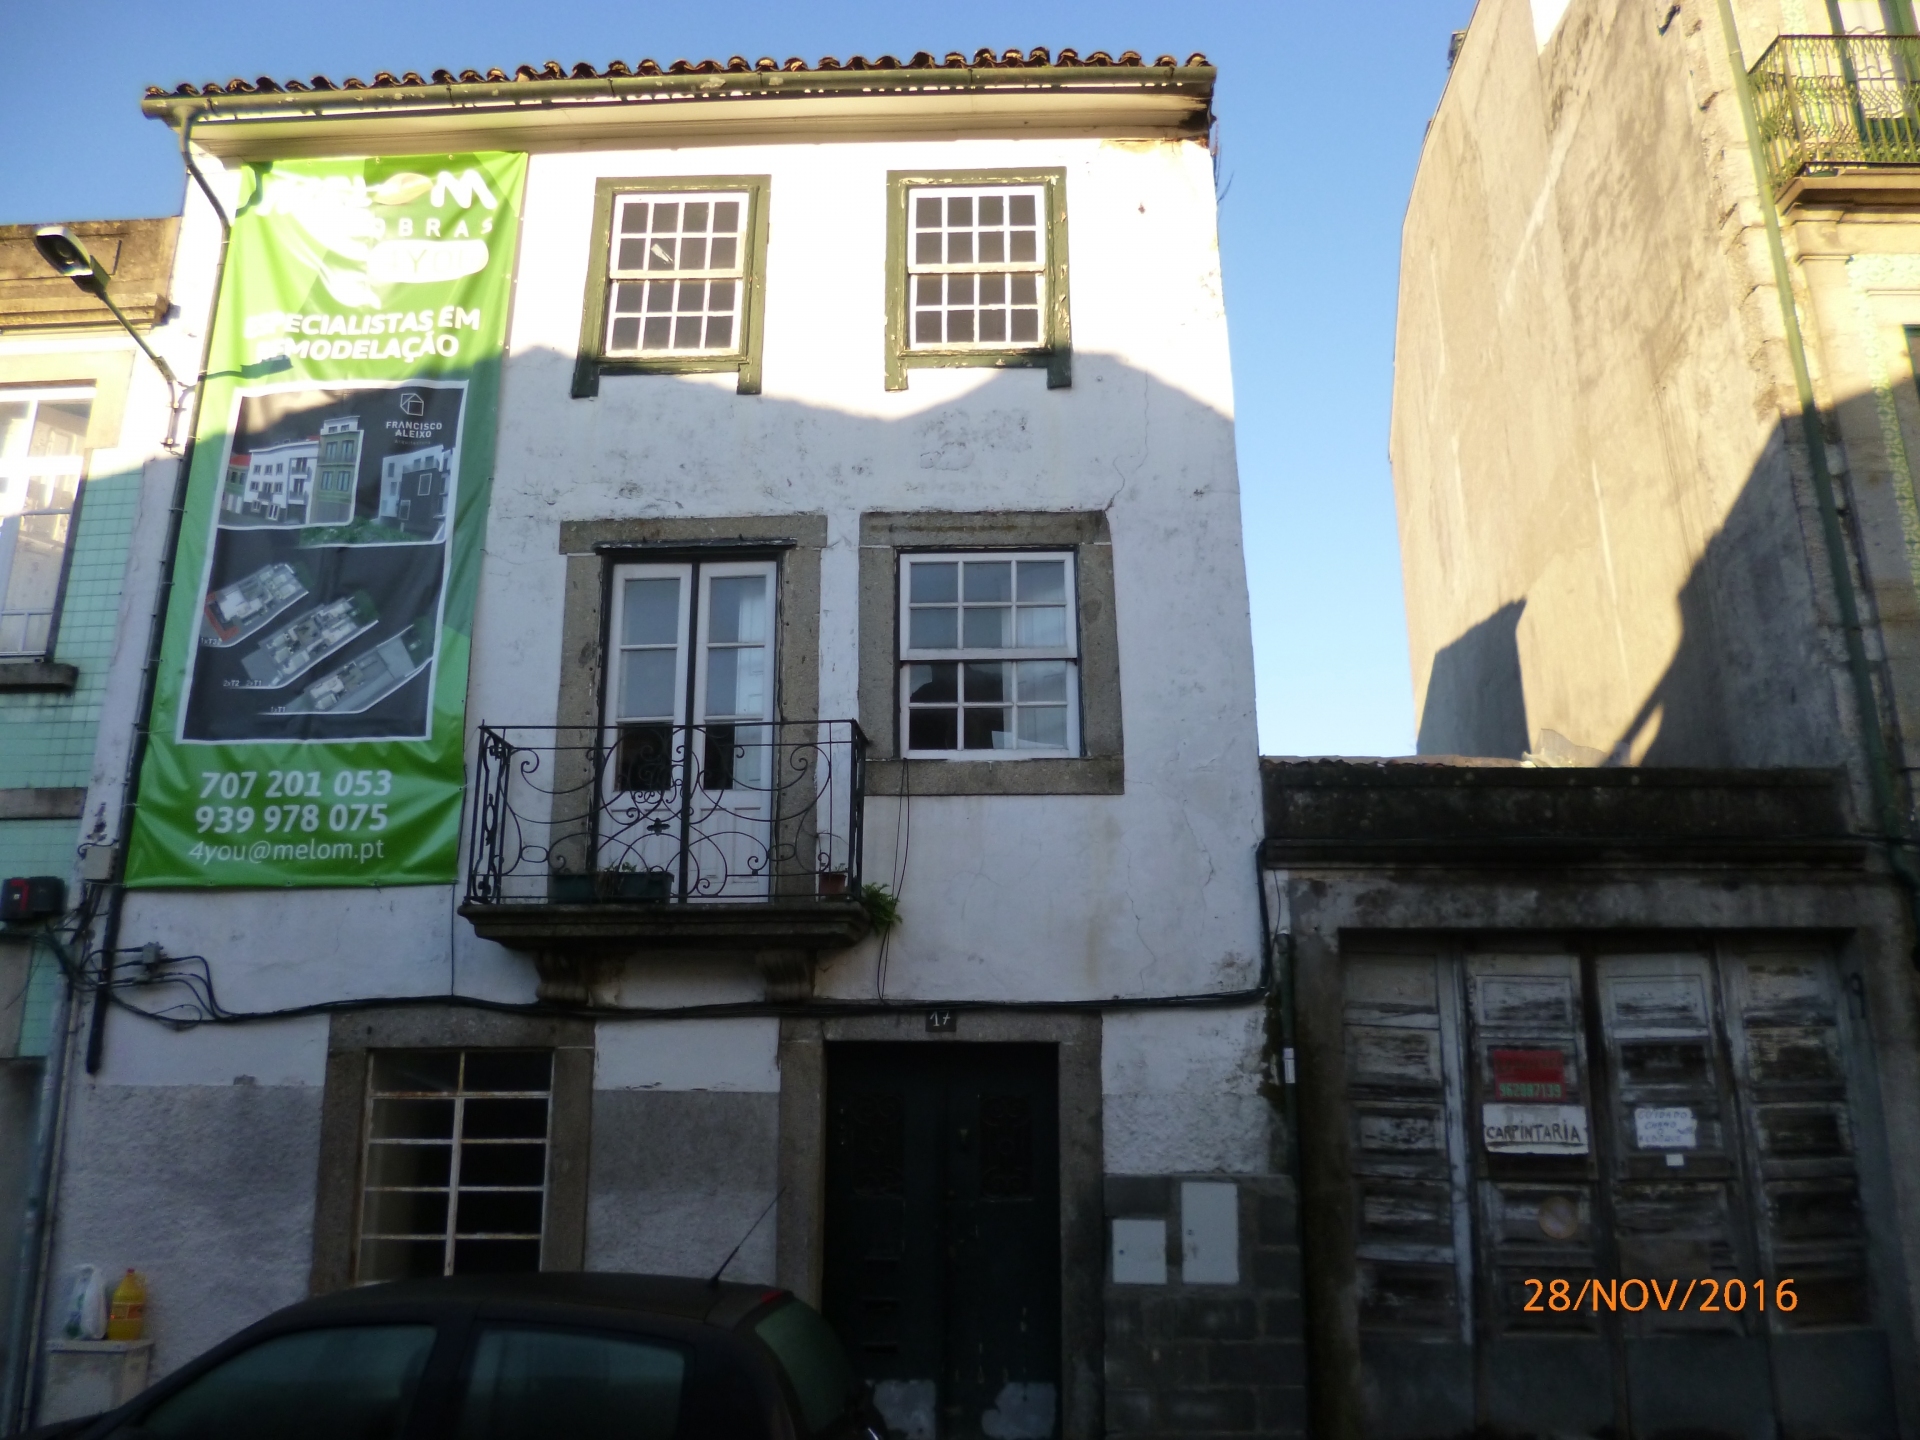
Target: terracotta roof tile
x=1037, y=58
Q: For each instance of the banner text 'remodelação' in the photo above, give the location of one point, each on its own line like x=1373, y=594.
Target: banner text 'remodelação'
x=408, y=335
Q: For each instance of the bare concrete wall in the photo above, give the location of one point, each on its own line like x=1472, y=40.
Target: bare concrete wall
x=1607, y=549
x=686, y=1124
x=678, y=1179
x=207, y=1190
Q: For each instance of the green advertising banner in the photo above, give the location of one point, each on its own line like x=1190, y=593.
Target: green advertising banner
x=309, y=714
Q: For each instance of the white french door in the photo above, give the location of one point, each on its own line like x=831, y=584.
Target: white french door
x=688, y=793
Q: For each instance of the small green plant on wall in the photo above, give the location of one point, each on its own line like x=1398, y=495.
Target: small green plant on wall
x=882, y=907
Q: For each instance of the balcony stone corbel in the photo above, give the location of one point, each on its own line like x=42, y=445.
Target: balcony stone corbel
x=786, y=974
x=578, y=977
x=591, y=977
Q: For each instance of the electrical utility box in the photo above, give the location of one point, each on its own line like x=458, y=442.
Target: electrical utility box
x=25, y=898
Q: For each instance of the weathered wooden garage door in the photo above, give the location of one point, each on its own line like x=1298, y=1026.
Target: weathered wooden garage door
x=943, y=1234
x=1532, y=1134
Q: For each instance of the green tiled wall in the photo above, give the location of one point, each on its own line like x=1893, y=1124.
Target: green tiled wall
x=38, y=847
x=47, y=739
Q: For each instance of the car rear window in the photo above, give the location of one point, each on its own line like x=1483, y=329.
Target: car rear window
x=535, y=1384
x=347, y=1382
x=810, y=1353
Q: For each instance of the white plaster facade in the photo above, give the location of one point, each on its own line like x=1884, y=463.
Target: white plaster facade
x=1008, y=899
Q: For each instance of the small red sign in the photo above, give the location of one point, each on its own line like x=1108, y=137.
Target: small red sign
x=1529, y=1074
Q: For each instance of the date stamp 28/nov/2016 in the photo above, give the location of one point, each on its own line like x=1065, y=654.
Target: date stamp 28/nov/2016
x=1703, y=1296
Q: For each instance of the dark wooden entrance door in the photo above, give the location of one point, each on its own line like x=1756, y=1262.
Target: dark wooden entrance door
x=943, y=1234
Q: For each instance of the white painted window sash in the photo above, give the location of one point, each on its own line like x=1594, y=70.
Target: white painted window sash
x=26, y=619
x=651, y=290
x=622, y=646
x=1065, y=653
x=973, y=303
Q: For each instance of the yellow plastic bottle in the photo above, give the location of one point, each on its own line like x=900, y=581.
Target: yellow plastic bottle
x=127, y=1311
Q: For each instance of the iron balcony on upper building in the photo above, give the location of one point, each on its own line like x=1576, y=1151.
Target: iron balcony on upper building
x=1840, y=113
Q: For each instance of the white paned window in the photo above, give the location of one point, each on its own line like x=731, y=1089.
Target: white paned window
x=989, y=660
x=723, y=645
x=976, y=267
x=692, y=774
x=677, y=274
x=42, y=453
x=456, y=1162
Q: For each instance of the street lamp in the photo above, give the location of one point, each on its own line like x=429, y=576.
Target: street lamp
x=62, y=251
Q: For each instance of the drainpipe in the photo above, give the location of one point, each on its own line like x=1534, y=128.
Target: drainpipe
x=1880, y=777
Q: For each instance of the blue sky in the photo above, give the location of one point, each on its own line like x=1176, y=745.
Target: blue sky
x=1322, y=110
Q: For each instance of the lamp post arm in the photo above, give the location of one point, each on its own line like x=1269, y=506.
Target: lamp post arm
x=146, y=349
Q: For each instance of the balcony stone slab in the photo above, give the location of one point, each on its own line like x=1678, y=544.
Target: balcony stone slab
x=753, y=925
x=580, y=951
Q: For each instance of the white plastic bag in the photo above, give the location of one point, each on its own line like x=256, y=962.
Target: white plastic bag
x=87, y=1310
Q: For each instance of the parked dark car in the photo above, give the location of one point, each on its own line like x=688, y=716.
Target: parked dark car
x=514, y=1357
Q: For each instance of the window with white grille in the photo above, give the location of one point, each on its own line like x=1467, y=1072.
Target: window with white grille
x=989, y=659
x=977, y=267
x=676, y=274
x=456, y=1162
x=42, y=454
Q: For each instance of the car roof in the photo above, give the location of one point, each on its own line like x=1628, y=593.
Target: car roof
x=676, y=1297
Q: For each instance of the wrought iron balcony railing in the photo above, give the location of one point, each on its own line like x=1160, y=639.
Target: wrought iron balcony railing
x=667, y=814
x=1834, y=102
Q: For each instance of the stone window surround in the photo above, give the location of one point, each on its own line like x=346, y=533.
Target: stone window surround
x=800, y=1237
x=593, y=547
x=350, y=1038
x=108, y=371
x=589, y=363
x=1099, y=768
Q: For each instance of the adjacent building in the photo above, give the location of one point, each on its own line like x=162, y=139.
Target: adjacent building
x=843, y=534
x=83, y=422
x=1614, y=986
x=1592, y=1064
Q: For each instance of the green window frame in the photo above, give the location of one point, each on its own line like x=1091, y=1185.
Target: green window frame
x=1054, y=350
x=593, y=360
